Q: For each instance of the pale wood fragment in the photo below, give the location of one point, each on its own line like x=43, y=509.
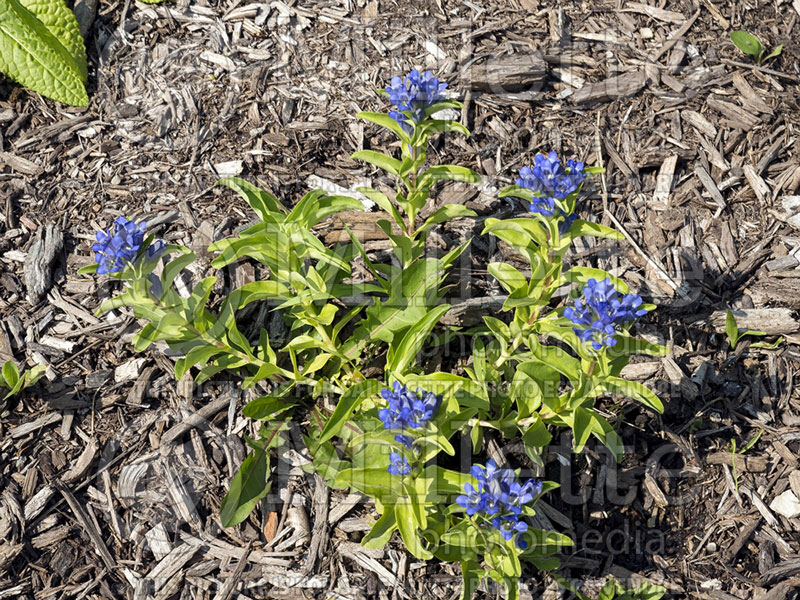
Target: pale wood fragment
x=741, y=118
x=699, y=122
x=511, y=73
x=773, y=321
x=664, y=180
x=82, y=464
x=31, y=426
x=758, y=185
x=619, y=86
x=710, y=185
x=39, y=262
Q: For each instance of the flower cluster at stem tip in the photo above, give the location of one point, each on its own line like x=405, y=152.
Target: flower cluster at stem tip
x=601, y=312
x=120, y=245
x=414, y=93
x=408, y=410
x=499, y=496
x=551, y=181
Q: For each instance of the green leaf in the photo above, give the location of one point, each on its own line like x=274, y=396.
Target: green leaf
x=407, y=524
x=447, y=172
x=387, y=163
x=33, y=56
x=633, y=389
x=383, y=201
x=249, y=485
x=59, y=20
x=749, y=44
x=445, y=213
x=382, y=530
x=767, y=345
x=509, y=277
x=587, y=228
x=266, y=407
x=518, y=232
x=345, y=407
x=582, y=275
x=471, y=575
x=10, y=374
x=399, y=357
x=440, y=125
x=775, y=52
x=265, y=204
x=386, y=121
x=731, y=328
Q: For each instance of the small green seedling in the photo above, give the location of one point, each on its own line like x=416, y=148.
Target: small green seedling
x=747, y=447
x=734, y=335
x=612, y=590
x=14, y=382
x=750, y=44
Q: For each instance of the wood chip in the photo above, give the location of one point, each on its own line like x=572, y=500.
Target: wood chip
x=773, y=321
x=81, y=466
x=38, y=264
x=620, y=86
x=510, y=73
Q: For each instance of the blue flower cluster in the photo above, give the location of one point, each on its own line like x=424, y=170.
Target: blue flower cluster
x=119, y=246
x=500, y=496
x=551, y=181
x=414, y=93
x=407, y=410
x=601, y=312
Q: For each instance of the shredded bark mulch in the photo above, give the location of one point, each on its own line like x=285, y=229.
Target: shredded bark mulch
x=111, y=472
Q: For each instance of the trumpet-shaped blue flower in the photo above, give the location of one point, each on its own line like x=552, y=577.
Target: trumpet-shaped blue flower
x=549, y=178
x=414, y=93
x=119, y=246
x=407, y=409
x=398, y=464
x=500, y=496
x=550, y=181
x=510, y=525
x=601, y=312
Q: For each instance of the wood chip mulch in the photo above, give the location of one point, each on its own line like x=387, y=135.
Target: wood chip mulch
x=111, y=472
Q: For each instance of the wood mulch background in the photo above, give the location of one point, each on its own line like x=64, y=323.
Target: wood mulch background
x=111, y=472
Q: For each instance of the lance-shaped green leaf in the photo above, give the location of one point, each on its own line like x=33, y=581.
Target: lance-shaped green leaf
x=631, y=389
x=265, y=204
x=345, y=407
x=33, y=56
x=386, y=121
x=249, y=485
x=401, y=355
x=387, y=163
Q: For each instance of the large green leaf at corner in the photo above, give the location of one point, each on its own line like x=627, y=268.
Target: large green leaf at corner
x=33, y=56
x=61, y=22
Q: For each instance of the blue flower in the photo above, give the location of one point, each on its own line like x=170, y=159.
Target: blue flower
x=119, y=246
x=156, y=249
x=499, y=496
x=414, y=93
x=399, y=465
x=549, y=178
x=406, y=440
x=407, y=409
x=601, y=312
x=473, y=501
x=509, y=525
x=550, y=181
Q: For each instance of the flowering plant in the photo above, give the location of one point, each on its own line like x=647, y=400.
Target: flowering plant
x=540, y=368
